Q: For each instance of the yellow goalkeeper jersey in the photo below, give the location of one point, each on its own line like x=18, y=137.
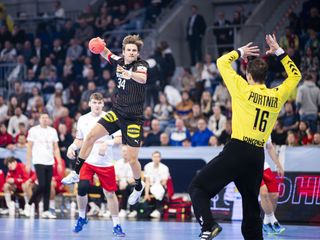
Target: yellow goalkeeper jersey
x=255, y=108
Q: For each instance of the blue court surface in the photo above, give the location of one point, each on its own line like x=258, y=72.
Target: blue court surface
x=36, y=229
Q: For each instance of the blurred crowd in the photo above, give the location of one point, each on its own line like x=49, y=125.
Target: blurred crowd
x=185, y=106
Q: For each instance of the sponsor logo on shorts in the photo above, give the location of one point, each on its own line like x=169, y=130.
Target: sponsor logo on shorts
x=133, y=130
x=110, y=117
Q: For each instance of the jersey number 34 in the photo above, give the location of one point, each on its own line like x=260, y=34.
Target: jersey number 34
x=121, y=83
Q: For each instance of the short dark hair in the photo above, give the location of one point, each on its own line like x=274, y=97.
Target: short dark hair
x=96, y=96
x=258, y=69
x=156, y=152
x=9, y=160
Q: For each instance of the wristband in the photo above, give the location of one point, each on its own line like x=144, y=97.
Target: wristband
x=279, y=51
x=241, y=52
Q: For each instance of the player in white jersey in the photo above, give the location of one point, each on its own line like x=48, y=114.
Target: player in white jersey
x=269, y=192
x=99, y=162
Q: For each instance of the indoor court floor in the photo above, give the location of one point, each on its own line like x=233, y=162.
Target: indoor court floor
x=35, y=229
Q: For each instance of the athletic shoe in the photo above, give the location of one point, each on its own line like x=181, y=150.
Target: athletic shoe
x=79, y=225
x=133, y=214
x=277, y=228
x=155, y=214
x=135, y=195
x=267, y=228
x=117, y=231
x=122, y=213
x=72, y=177
x=207, y=235
x=47, y=214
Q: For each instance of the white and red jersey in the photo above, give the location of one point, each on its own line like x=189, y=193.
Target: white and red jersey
x=19, y=174
x=85, y=124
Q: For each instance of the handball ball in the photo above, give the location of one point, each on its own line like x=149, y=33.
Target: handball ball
x=96, y=45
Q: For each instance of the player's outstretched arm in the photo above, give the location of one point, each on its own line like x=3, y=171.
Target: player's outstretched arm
x=234, y=81
x=294, y=75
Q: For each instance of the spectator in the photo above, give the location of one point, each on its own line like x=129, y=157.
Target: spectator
x=5, y=137
x=213, y=141
x=202, y=135
x=55, y=110
x=74, y=51
x=192, y=123
x=156, y=176
x=65, y=140
x=308, y=101
x=22, y=131
x=153, y=137
x=15, y=181
x=309, y=62
x=291, y=139
x=91, y=88
x=184, y=108
x=164, y=139
x=30, y=82
x=217, y=122
x=58, y=53
x=20, y=71
x=125, y=181
x=84, y=31
x=8, y=53
x=64, y=118
x=224, y=34
x=289, y=40
x=313, y=41
x=148, y=116
x=26, y=51
x=68, y=71
x=278, y=135
x=39, y=51
x=163, y=111
x=209, y=74
x=21, y=96
x=179, y=134
x=221, y=95
x=290, y=119
x=316, y=139
x=46, y=69
x=3, y=110
x=13, y=126
x=169, y=62
x=196, y=27
x=58, y=10
x=304, y=135
x=13, y=104
x=68, y=32
x=109, y=93
x=31, y=101
x=206, y=104
x=225, y=136
x=187, y=80
x=35, y=66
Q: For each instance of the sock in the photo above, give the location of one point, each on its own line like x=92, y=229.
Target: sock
x=25, y=199
x=82, y=204
x=266, y=219
x=115, y=220
x=82, y=213
x=52, y=204
x=272, y=218
x=7, y=197
x=138, y=185
x=79, y=164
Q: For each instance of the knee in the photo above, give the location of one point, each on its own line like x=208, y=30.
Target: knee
x=264, y=193
x=274, y=195
x=109, y=195
x=83, y=187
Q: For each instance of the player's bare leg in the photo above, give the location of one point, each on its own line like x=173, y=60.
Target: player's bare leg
x=96, y=132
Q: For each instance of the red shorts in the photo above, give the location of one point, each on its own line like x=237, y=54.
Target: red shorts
x=106, y=175
x=269, y=179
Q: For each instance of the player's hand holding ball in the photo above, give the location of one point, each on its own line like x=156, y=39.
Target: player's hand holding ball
x=96, y=45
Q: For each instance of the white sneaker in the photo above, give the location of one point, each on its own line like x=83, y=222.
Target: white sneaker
x=122, y=213
x=94, y=209
x=107, y=214
x=12, y=208
x=135, y=195
x=133, y=214
x=72, y=177
x=47, y=214
x=27, y=210
x=4, y=211
x=155, y=214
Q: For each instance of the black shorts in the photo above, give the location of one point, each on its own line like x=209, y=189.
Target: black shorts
x=131, y=129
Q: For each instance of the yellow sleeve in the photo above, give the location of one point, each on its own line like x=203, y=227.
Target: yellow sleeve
x=233, y=81
x=290, y=83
